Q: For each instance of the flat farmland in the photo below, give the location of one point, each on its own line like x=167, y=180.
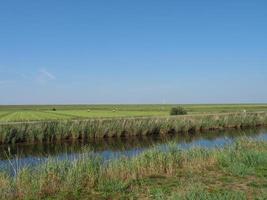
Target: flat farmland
x=66, y=112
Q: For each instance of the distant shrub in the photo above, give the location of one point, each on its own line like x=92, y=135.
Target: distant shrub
x=54, y=109
x=178, y=111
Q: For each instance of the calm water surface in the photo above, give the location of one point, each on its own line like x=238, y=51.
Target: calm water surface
x=20, y=155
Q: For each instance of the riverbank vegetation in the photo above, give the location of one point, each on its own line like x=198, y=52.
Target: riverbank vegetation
x=122, y=144
x=51, y=131
x=237, y=171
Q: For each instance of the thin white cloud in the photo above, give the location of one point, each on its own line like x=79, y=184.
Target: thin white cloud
x=47, y=74
x=44, y=76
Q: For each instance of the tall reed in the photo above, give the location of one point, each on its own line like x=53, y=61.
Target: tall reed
x=50, y=131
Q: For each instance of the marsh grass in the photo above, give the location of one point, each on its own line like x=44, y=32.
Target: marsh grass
x=197, y=193
x=51, y=131
x=171, y=173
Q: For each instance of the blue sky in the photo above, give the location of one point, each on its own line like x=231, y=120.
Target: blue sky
x=141, y=51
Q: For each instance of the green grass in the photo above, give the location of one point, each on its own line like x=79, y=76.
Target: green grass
x=52, y=131
x=31, y=116
x=155, y=174
x=44, y=112
x=108, y=113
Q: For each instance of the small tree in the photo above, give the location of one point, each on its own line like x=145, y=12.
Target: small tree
x=178, y=111
x=54, y=109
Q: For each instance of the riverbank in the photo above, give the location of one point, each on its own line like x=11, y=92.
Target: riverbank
x=234, y=172
x=52, y=131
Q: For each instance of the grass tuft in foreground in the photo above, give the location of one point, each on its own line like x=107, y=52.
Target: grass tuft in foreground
x=238, y=171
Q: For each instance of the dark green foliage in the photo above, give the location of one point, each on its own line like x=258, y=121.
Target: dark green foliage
x=178, y=111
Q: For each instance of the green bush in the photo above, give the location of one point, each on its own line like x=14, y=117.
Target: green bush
x=178, y=111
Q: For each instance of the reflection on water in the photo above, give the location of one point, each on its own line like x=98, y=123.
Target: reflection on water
x=18, y=155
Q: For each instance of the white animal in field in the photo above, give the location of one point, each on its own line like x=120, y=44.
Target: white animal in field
x=244, y=111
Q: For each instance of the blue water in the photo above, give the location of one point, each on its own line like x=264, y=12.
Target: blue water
x=13, y=157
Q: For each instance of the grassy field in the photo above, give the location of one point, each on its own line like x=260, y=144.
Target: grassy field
x=236, y=172
x=44, y=112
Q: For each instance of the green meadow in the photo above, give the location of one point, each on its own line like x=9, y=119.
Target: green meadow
x=65, y=112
